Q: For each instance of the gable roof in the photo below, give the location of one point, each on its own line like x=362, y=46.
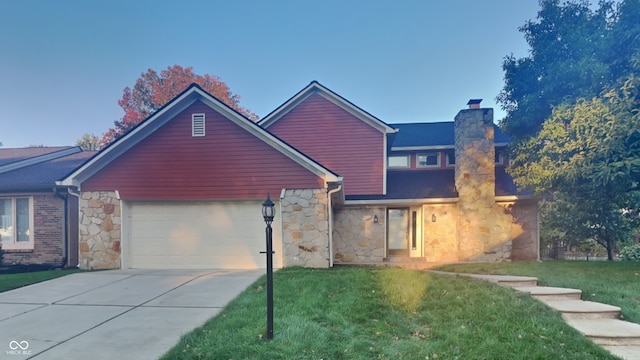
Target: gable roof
x=165, y=114
x=316, y=88
x=38, y=168
x=433, y=135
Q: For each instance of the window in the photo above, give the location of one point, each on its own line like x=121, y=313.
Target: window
x=399, y=161
x=16, y=223
x=499, y=158
x=451, y=158
x=428, y=160
x=197, y=125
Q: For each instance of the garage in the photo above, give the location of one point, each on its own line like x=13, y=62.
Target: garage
x=197, y=235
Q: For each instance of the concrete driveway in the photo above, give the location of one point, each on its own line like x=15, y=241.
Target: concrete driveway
x=126, y=314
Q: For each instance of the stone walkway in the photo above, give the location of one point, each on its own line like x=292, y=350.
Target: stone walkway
x=599, y=322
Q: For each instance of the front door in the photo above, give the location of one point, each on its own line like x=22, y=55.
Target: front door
x=398, y=232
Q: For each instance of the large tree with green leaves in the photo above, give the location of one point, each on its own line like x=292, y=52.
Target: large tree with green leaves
x=572, y=108
x=586, y=159
x=575, y=51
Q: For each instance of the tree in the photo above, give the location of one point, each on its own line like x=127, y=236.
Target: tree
x=569, y=58
x=153, y=90
x=586, y=158
x=572, y=109
x=89, y=142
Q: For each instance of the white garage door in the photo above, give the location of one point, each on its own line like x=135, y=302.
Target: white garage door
x=198, y=235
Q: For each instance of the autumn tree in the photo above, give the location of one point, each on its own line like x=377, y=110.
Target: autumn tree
x=153, y=90
x=89, y=142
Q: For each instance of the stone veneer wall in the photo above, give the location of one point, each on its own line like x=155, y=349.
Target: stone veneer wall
x=483, y=227
x=305, y=228
x=100, y=235
x=356, y=238
x=525, y=230
x=440, y=242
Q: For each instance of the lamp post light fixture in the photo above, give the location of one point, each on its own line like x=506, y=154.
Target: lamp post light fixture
x=268, y=213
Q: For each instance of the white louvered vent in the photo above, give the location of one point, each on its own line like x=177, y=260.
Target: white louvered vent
x=197, y=125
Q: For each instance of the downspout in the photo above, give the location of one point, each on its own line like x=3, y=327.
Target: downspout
x=330, y=213
x=65, y=227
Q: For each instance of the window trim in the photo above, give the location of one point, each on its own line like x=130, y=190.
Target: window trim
x=13, y=244
x=427, y=154
x=450, y=155
x=406, y=157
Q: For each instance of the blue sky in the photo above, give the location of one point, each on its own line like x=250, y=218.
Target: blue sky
x=64, y=64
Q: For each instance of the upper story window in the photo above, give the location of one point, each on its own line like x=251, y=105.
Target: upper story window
x=451, y=158
x=499, y=158
x=428, y=160
x=399, y=161
x=16, y=223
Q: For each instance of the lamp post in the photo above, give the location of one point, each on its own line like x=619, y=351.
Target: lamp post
x=268, y=212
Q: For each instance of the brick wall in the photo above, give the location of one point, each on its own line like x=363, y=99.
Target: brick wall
x=48, y=235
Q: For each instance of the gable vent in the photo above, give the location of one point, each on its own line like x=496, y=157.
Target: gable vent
x=197, y=125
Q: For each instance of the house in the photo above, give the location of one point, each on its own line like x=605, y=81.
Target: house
x=39, y=220
x=184, y=189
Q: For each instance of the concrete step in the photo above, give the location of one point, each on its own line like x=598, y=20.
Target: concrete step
x=505, y=280
x=551, y=293
x=404, y=260
x=625, y=352
x=608, y=331
x=579, y=309
x=511, y=281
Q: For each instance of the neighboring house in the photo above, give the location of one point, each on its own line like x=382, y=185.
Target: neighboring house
x=184, y=189
x=39, y=220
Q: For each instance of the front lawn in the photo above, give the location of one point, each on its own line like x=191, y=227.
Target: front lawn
x=385, y=313
x=13, y=281
x=610, y=282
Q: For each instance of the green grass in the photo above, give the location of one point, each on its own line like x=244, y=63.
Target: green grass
x=13, y=281
x=384, y=313
x=615, y=283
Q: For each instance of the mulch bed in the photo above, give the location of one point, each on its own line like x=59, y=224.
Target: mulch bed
x=15, y=269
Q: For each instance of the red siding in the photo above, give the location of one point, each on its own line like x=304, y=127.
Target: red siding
x=338, y=140
x=227, y=163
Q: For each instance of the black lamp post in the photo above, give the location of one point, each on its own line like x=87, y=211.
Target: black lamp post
x=268, y=212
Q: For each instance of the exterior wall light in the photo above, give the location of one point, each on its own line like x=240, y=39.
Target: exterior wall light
x=375, y=219
x=433, y=217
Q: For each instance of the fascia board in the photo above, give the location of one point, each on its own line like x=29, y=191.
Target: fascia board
x=433, y=147
x=401, y=201
x=419, y=148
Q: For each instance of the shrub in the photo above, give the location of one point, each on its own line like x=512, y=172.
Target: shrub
x=630, y=253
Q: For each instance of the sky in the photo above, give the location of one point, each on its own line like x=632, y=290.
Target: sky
x=64, y=64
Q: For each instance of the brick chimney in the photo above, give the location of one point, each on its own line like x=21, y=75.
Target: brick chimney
x=475, y=181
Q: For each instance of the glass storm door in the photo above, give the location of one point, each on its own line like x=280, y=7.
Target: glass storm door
x=398, y=236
